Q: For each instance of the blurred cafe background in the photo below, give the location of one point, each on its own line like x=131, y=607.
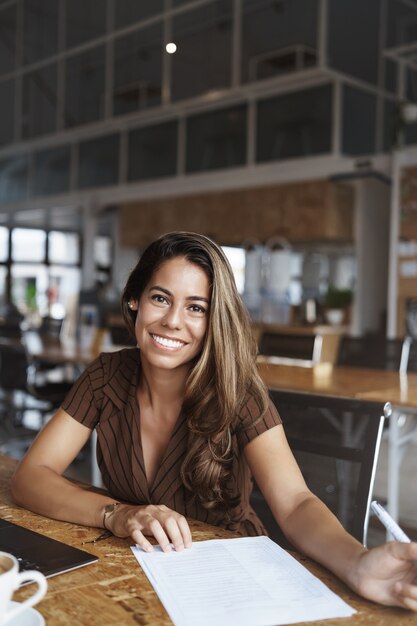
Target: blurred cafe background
x=286, y=130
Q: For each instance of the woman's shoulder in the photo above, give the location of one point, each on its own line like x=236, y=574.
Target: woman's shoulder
x=107, y=364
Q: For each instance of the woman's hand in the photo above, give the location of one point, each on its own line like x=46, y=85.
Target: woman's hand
x=388, y=574
x=152, y=520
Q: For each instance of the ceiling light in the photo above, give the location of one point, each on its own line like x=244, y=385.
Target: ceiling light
x=171, y=48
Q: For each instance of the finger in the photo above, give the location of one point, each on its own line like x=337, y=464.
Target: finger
x=141, y=541
x=160, y=535
x=404, y=551
x=185, y=531
x=174, y=533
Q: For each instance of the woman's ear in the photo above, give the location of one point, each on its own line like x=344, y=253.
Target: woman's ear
x=133, y=304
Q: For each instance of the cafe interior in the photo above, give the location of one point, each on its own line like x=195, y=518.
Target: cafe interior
x=286, y=131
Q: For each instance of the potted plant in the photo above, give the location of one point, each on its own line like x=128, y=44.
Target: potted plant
x=336, y=303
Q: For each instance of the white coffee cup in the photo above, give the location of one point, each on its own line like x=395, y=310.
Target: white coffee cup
x=11, y=580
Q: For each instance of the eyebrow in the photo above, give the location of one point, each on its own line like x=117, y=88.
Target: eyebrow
x=168, y=293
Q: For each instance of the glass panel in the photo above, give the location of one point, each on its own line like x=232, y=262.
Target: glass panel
x=84, y=20
x=39, y=102
x=126, y=12
x=410, y=128
x=137, y=70
x=354, y=21
x=85, y=87
x=8, y=39
x=216, y=140
x=401, y=23
x=103, y=251
x=99, y=162
x=29, y=289
x=237, y=259
x=7, y=111
x=4, y=243
x=391, y=125
x=63, y=247
x=28, y=244
x=391, y=75
x=153, y=151
x=62, y=295
x=13, y=178
x=51, y=171
x=3, y=277
x=295, y=124
x=202, y=62
x=40, y=29
x=358, y=127
x=278, y=37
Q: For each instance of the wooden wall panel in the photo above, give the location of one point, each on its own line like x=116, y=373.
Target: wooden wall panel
x=318, y=210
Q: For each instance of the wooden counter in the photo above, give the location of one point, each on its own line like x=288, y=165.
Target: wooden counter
x=115, y=592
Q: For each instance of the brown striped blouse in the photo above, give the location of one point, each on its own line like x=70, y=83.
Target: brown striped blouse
x=104, y=397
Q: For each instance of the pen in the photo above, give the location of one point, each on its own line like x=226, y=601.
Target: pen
x=396, y=532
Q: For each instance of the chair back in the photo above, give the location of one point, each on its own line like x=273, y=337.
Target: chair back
x=409, y=355
x=13, y=366
x=291, y=346
x=336, y=444
x=372, y=351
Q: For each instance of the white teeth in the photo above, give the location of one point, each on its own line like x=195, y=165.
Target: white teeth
x=167, y=343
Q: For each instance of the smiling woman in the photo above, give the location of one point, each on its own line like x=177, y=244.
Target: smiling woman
x=183, y=421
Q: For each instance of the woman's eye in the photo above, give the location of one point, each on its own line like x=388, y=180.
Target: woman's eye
x=158, y=298
x=195, y=308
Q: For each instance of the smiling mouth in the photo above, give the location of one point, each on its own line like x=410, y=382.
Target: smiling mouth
x=171, y=344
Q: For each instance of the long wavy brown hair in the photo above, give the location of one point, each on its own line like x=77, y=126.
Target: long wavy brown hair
x=224, y=374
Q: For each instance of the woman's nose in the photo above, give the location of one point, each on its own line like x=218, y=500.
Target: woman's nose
x=173, y=317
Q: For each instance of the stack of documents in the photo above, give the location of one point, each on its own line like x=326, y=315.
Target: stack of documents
x=249, y=581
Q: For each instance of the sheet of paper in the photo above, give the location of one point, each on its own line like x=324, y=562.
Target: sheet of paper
x=249, y=581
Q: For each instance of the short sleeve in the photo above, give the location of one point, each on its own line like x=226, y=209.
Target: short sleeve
x=82, y=401
x=250, y=425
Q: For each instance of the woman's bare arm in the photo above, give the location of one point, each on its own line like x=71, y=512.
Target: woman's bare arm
x=386, y=574
x=38, y=483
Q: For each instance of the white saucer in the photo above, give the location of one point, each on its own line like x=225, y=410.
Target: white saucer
x=29, y=617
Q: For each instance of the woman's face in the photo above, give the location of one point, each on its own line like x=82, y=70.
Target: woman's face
x=173, y=313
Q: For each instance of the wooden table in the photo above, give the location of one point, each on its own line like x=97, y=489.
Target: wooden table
x=115, y=591
x=366, y=384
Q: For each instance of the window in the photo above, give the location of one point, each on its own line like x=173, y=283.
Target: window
x=8, y=39
x=51, y=171
x=202, y=62
x=99, y=162
x=401, y=23
x=3, y=278
x=4, y=244
x=153, y=151
x=28, y=244
x=29, y=288
x=40, y=29
x=217, y=139
x=85, y=87
x=84, y=20
x=295, y=124
x=39, y=102
x=129, y=11
x=391, y=125
x=237, y=259
x=13, y=178
x=7, y=111
x=137, y=70
x=63, y=248
x=358, y=127
x=278, y=37
x=358, y=22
